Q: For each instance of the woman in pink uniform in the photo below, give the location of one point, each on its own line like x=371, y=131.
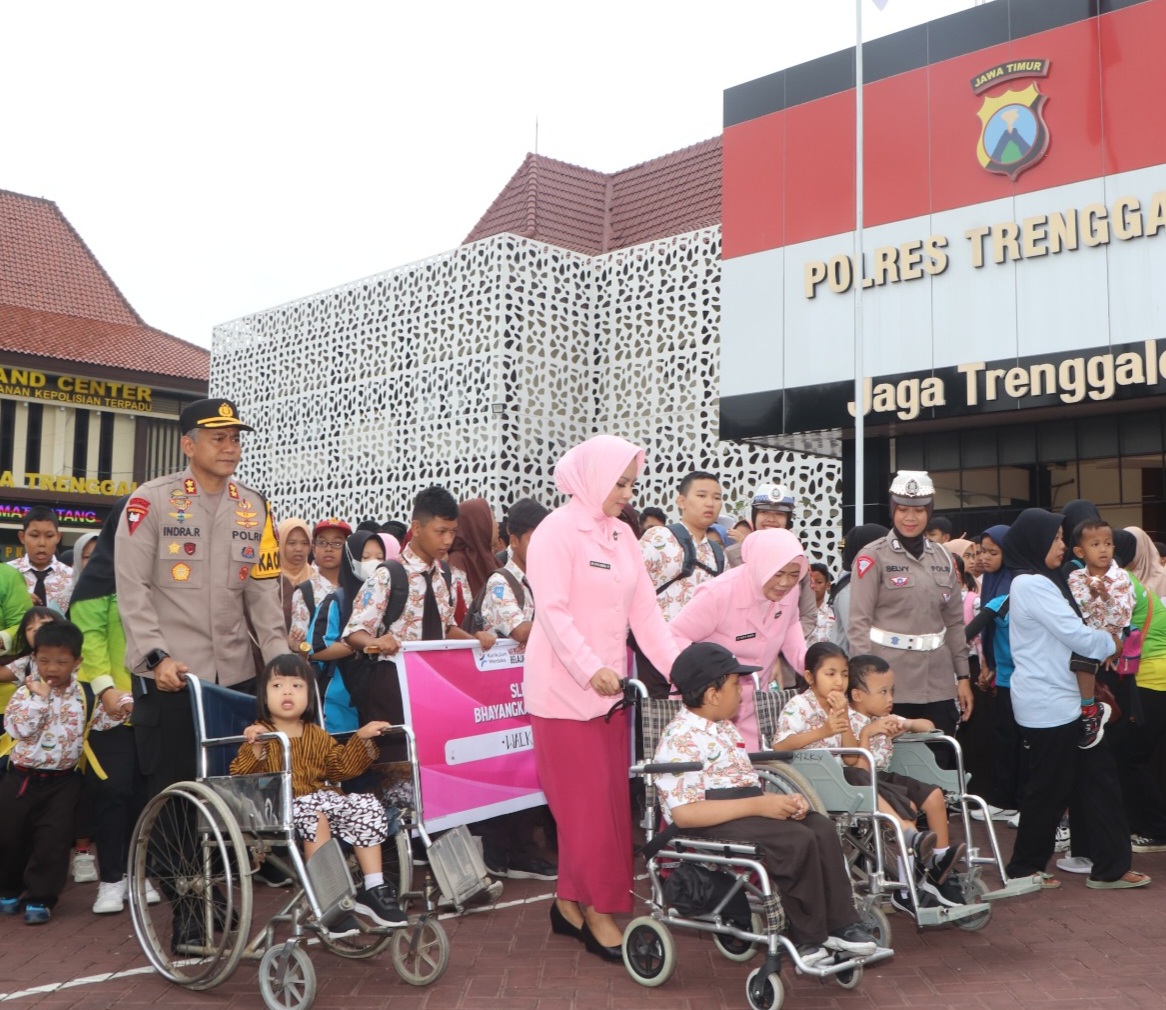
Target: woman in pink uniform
x=752, y=613
x=590, y=585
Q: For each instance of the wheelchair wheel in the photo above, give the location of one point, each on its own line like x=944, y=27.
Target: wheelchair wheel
x=875, y=921
x=973, y=890
x=849, y=979
x=781, y=777
x=766, y=993
x=290, y=985
x=420, y=951
x=649, y=952
x=740, y=950
x=190, y=843
x=361, y=945
x=399, y=865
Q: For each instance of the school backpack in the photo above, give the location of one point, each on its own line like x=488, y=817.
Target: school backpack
x=691, y=563
x=473, y=622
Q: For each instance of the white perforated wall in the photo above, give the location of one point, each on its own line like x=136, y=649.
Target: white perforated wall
x=477, y=368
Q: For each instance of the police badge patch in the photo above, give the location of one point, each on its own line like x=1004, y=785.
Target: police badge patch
x=1013, y=133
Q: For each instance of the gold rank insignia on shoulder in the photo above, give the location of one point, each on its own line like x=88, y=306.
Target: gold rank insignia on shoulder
x=189, y=486
x=232, y=491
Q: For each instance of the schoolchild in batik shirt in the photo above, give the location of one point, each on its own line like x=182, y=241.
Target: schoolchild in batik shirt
x=301, y=617
x=58, y=582
x=664, y=559
x=500, y=610
x=369, y=607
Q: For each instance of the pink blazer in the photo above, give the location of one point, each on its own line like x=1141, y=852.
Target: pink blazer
x=731, y=611
x=589, y=585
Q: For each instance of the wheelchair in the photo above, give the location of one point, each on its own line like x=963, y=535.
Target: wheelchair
x=649, y=950
x=867, y=832
x=203, y=841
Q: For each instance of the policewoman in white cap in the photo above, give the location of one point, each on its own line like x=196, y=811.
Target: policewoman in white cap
x=905, y=606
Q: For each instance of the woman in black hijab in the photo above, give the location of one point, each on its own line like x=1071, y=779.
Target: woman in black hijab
x=1045, y=630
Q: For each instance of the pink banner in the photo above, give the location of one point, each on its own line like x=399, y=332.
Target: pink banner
x=473, y=734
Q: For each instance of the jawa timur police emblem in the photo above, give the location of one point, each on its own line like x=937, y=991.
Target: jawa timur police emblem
x=1013, y=133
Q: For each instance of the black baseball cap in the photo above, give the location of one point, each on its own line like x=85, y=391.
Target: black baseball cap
x=702, y=664
x=213, y=413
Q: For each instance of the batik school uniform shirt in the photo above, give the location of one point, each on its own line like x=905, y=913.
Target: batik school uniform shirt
x=1106, y=601
x=500, y=610
x=664, y=559
x=58, y=582
x=301, y=617
x=804, y=714
x=718, y=746
x=49, y=733
x=823, y=624
x=369, y=605
x=879, y=744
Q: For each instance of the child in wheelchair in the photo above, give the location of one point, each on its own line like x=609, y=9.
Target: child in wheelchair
x=285, y=702
x=725, y=801
x=822, y=717
x=871, y=690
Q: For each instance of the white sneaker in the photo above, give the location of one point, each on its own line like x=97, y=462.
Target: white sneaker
x=110, y=897
x=152, y=896
x=1075, y=864
x=1062, y=839
x=996, y=813
x=84, y=867
x=1014, y=820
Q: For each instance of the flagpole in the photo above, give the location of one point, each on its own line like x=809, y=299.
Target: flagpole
x=857, y=274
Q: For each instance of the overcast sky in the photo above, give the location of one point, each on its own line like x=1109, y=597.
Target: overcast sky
x=221, y=158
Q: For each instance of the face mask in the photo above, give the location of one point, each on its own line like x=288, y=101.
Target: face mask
x=366, y=569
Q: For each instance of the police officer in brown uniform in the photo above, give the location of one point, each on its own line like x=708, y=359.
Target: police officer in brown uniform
x=905, y=606
x=195, y=557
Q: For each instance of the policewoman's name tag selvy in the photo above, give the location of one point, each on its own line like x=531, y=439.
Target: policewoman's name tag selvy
x=600, y=564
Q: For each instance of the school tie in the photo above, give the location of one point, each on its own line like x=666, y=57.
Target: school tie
x=431, y=627
x=39, y=589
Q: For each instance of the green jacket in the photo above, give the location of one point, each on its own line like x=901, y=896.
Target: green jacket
x=14, y=601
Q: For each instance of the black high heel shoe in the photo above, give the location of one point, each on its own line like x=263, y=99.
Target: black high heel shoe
x=561, y=924
x=595, y=947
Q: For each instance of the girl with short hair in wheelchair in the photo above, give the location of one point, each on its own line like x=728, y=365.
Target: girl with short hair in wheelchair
x=286, y=702
x=725, y=801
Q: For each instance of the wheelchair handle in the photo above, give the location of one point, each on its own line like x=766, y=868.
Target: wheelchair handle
x=675, y=768
x=633, y=690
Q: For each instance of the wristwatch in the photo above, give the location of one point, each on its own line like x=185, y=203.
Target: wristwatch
x=155, y=657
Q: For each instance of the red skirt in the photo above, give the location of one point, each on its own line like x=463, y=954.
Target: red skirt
x=583, y=767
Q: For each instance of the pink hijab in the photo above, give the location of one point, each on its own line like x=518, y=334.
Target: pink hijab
x=392, y=546
x=1146, y=567
x=732, y=611
x=588, y=471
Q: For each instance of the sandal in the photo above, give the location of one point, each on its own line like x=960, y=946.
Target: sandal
x=1048, y=882
x=1132, y=878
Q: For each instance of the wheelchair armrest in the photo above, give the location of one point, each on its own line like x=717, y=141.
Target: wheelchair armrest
x=931, y=734
x=771, y=755
x=219, y=741
x=674, y=768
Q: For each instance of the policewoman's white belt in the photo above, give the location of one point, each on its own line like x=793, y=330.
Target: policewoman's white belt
x=911, y=643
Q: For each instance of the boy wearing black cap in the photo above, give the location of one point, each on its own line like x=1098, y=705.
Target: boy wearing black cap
x=725, y=800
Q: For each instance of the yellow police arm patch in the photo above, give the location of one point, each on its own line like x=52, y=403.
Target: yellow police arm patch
x=268, y=566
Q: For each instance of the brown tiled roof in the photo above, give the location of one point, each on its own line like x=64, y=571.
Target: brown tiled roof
x=56, y=300
x=594, y=212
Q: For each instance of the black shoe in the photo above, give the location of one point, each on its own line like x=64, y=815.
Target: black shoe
x=1093, y=726
x=941, y=866
x=949, y=893
x=852, y=939
x=344, y=928
x=532, y=869
x=902, y=901
x=187, y=933
x=271, y=875
x=595, y=947
x=812, y=953
x=380, y=904
x=561, y=925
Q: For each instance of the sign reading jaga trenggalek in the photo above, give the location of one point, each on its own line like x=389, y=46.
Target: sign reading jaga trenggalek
x=1123, y=370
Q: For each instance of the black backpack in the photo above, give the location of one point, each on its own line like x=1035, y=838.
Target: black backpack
x=472, y=622
x=690, y=565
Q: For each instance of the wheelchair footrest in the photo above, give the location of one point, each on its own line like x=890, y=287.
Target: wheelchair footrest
x=938, y=916
x=331, y=881
x=1015, y=887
